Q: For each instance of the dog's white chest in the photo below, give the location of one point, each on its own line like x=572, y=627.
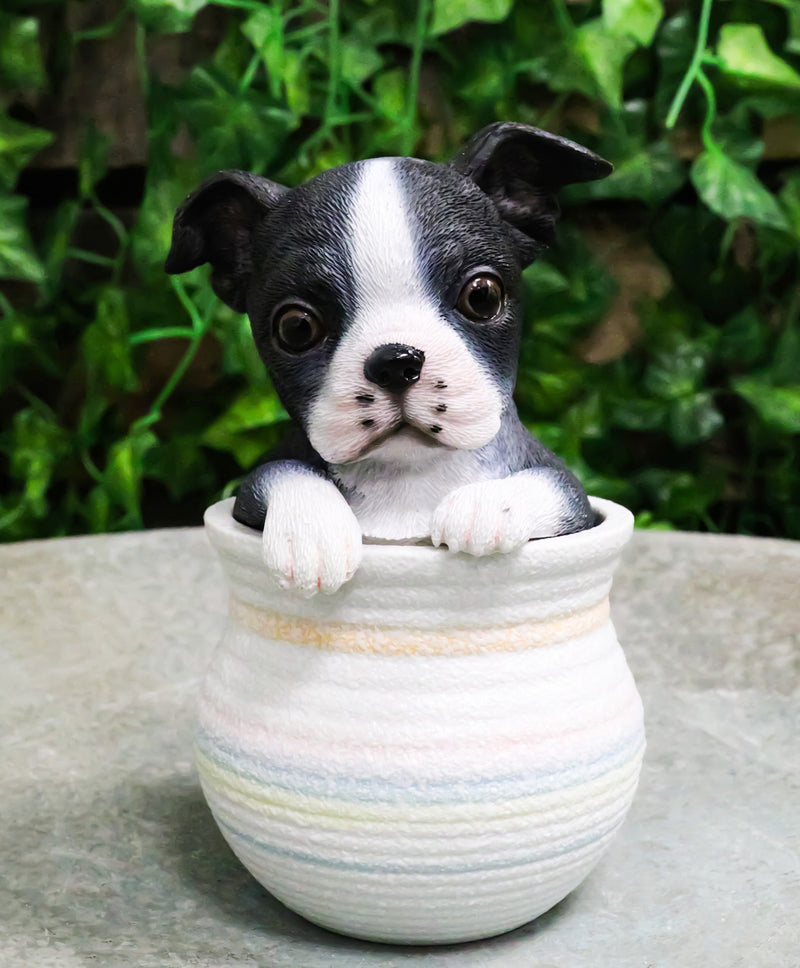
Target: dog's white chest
x=397, y=502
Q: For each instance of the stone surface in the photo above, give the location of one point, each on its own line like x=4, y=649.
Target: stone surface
x=111, y=857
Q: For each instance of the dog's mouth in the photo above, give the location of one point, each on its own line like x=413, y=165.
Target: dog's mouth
x=403, y=431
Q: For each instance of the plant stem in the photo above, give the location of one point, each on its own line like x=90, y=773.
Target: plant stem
x=199, y=327
x=695, y=66
x=711, y=111
x=332, y=99
x=420, y=36
x=563, y=18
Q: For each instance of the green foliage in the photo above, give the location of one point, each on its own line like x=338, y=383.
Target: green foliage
x=133, y=399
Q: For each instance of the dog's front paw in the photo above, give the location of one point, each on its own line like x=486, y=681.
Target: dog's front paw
x=498, y=515
x=312, y=539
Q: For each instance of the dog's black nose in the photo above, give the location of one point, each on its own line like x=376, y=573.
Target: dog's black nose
x=394, y=366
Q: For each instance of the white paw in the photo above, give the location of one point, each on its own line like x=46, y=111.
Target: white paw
x=498, y=515
x=312, y=540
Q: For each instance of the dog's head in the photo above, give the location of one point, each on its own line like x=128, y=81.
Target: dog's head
x=384, y=295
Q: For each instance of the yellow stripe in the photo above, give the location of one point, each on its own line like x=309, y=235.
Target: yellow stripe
x=276, y=802
x=374, y=640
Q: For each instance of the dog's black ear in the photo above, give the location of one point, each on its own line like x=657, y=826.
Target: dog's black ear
x=216, y=224
x=521, y=168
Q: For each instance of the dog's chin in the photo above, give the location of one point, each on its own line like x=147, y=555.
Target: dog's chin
x=405, y=444
x=401, y=444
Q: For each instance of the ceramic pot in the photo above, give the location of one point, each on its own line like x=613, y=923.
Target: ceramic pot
x=439, y=752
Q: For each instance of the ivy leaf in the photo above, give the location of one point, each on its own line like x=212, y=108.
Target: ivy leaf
x=105, y=345
x=743, y=338
x=168, y=16
x=125, y=468
x=732, y=191
x=264, y=30
x=790, y=197
x=779, y=407
x=39, y=443
x=359, y=62
x=604, y=53
x=20, y=55
x=450, y=14
x=18, y=144
x=390, y=93
x=18, y=260
x=743, y=52
x=296, y=82
x=694, y=418
x=241, y=429
x=651, y=174
x=543, y=279
x=675, y=372
x=636, y=18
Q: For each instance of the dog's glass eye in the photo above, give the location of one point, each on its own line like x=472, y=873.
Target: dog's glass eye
x=481, y=298
x=298, y=328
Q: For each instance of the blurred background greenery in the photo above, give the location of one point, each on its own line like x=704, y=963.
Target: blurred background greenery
x=662, y=347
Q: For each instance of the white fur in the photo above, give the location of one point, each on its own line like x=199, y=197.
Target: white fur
x=499, y=515
x=312, y=539
x=398, y=504
x=393, y=307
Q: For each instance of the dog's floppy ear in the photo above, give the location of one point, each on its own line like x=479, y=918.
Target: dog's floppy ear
x=216, y=224
x=521, y=168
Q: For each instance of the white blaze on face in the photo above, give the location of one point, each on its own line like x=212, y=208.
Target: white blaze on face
x=454, y=392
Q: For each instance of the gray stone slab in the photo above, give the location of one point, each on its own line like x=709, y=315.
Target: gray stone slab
x=110, y=857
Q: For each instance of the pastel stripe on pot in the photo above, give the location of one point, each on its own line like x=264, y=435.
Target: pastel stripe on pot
x=439, y=752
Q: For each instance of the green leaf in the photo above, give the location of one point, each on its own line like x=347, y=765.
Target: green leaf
x=637, y=413
x=694, y=418
x=604, y=53
x=790, y=198
x=181, y=466
x=743, y=338
x=359, y=62
x=38, y=444
x=241, y=429
x=793, y=40
x=542, y=279
x=20, y=54
x=450, y=14
x=18, y=144
x=123, y=474
x=390, y=92
x=636, y=18
x=18, y=260
x=650, y=175
x=296, y=83
x=264, y=30
x=678, y=494
x=733, y=191
x=168, y=16
x=105, y=342
x=743, y=52
x=778, y=407
x=675, y=373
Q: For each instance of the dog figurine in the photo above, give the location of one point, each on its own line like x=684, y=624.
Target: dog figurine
x=384, y=299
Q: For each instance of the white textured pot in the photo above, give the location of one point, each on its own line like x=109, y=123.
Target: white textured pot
x=440, y=751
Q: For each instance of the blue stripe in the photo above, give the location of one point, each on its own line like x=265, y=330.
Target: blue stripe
x=408, y=790
x=233, y=835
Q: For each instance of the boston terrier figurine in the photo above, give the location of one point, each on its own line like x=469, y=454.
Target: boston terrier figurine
x=384, y=298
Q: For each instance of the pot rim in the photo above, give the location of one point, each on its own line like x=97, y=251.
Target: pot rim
x=603, y=542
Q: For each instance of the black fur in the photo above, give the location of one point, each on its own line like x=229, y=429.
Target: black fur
x=493, y=206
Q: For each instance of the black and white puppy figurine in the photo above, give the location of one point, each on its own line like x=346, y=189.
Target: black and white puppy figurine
x=384, y=298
